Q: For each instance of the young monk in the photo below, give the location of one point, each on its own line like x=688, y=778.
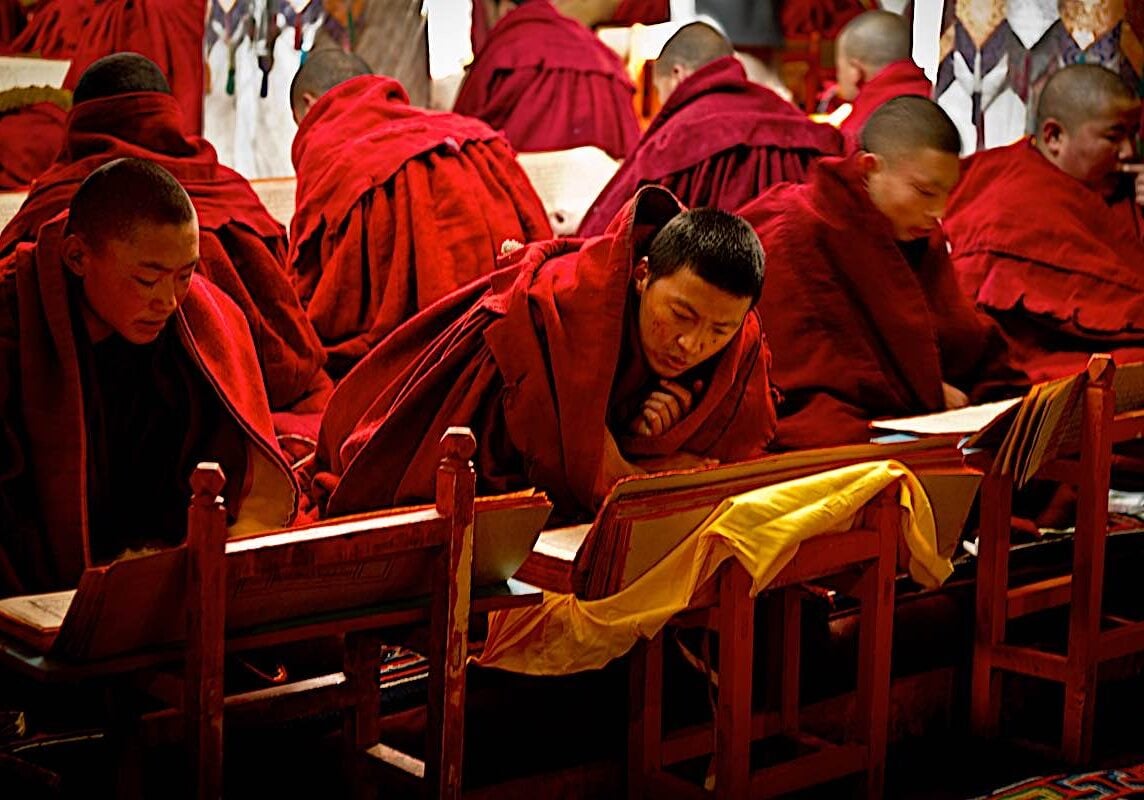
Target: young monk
x=397, y=206
x=719, y=140
x=123, y=107
x=577, y=364
x=1047, y=234
x=861, y=300
x=873, y=61
x=547, y=82
x=120, y=370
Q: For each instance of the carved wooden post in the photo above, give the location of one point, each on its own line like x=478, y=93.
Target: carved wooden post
x=206, y=621
x=1088, y=559
x=456, y=486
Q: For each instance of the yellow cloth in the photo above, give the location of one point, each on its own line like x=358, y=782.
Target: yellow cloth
x=761, y=528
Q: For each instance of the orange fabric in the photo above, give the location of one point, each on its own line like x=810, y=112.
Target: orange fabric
x=396, y=208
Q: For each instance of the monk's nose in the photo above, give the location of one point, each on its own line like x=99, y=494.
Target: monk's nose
x=1127, y=150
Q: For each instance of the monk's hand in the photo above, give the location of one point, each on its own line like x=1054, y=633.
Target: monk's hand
x=954, y=397
x=664, y=408
x=1137, y=173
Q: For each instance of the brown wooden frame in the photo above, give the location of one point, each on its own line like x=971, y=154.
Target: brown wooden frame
x=997, y=603
x=868, y=551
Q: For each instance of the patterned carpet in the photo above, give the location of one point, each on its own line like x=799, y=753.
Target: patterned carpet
x=1113, y=783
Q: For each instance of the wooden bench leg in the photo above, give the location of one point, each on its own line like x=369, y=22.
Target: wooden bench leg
x=791, y=655
x=990, y=611
x=645, y=715
x=361, y=721
x=875, y=643
x=733, y=710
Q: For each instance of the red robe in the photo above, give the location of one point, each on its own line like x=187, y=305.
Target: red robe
x=719, y=141
x=1064, y=281
x=52, y=30
x=396, y=208
x=536, y=358
x=32, y=134
x=859, y=333
x=43, y=487
x=899, y=79
x=242, y=248
x=169, y=32
x=549, y=83
x=628, y=13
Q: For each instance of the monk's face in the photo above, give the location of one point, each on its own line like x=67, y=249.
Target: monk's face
x=850, y=73
x=132, y=285
x=911, y=188
x=684, y=320
x=1092, y=151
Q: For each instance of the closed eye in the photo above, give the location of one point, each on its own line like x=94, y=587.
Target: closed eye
x=145, y=282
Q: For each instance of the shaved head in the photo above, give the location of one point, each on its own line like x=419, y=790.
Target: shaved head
x=907, y=124
x=324, y=69
x=691, y=47
x=124, y=194
x=1081, y=92
x=876, y=38
x=120, y=73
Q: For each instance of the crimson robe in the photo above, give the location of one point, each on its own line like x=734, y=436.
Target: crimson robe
x=397, y=207
x=1064, y=281
x=718, y=141
x=52, y=30
x=549, y=83
x=898, y=79
x=43, y=486
x=628, y=13
x=169, y=32
x=242, y=248
x=32, y=133
x=859, y=331
x=533, y=358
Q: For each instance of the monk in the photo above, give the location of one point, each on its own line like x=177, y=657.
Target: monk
x=1047, y=234
x=719, y=140
x=121, y=370
x=874, y=64
x=123, y=107
x=545, y=80
x=577, y=364
x=861, y=301
x=397, y=206
x=32, y=132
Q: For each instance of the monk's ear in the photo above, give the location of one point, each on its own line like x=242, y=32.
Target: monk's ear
x=859, y=72
x=1052, y=135
x=641, y=275
x=75, y=255
x=870, y=163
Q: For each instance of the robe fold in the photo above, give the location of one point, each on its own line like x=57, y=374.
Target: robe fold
x=169, y=32
x=44, y=515
x=52, y=29
x=531, y=357
x=396, y=207
x=1064, y=281
x=549, y=83
x=242, y=248
x=898, y=79
x=718, y=141
x=32, y=132
x=862, y=327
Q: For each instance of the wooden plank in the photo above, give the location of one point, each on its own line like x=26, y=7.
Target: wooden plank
x=1029, y=661
x=645, y=716
x=733, y=705
x=811, y=769
x=1039, y=596
x=990, y=607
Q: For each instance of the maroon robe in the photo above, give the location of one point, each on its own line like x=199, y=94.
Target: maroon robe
x=397, y=207
x=719, y=141
x=32, y=133
x=898, y=79
x=535, y=358
x=1064, y=281
x=242, y=248
x=862, y=327
x=549, y=83
x=44, y=542
x=52, y=29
